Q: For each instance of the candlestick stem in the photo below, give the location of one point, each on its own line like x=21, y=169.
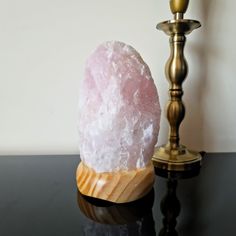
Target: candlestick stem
x=173, y=155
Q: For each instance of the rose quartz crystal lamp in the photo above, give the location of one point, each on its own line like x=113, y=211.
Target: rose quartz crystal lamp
x=119, y=116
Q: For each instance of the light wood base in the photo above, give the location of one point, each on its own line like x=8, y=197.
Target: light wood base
x=118, y=187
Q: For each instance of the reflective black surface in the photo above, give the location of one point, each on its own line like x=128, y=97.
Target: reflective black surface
x=134, y=218
x=38, y=196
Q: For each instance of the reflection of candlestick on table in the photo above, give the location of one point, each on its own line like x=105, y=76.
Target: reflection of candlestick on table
x=170, y=208
x=174, y=156
x=170, y=205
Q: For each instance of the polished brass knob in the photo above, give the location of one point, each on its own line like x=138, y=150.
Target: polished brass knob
x=179, y=6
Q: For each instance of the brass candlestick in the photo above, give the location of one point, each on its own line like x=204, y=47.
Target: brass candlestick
x=174, y=156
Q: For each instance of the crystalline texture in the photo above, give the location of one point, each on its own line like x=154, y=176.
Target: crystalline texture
x=119, y=111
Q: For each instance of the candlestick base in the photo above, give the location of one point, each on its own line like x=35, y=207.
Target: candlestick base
x=180, y=159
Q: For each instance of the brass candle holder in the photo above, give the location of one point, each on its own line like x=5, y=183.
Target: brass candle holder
x=173, y=156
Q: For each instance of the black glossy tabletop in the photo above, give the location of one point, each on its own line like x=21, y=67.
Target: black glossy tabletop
x=38, y=196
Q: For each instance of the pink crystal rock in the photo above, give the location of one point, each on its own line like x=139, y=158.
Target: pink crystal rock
x=119, y=110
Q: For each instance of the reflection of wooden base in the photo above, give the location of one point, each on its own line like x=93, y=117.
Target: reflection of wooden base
x=111, y=213
x=118, y=187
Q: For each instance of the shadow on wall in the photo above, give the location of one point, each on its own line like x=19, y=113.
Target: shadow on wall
x=192, y=130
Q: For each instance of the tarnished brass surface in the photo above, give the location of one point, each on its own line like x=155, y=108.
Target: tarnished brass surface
x=181, y=159
x=179, y=6
x=174, y=156
x=182, y=26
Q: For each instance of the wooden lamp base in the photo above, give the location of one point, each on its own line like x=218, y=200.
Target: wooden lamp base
x=118, y=187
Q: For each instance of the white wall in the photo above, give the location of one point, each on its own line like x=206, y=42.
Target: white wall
x=43, y=47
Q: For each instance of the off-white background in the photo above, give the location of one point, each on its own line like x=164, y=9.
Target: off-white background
x=43, y=47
